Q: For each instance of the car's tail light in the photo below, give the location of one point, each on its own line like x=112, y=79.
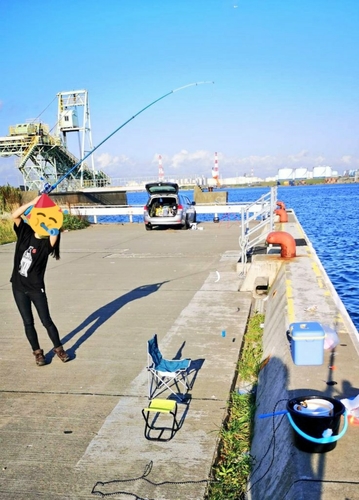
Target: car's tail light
x=145, y=208
x=179, y=207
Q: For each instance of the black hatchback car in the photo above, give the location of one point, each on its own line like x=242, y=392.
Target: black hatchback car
x=166, y=207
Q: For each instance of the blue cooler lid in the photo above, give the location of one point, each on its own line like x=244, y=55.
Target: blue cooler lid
x=310, y=330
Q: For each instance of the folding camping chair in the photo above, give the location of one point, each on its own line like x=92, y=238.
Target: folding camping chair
x=164, y=373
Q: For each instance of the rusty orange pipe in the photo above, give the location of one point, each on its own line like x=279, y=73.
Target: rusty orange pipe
x=283, y=216
x=286, y=242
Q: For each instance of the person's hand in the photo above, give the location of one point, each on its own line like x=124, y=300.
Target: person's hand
x=35, y=200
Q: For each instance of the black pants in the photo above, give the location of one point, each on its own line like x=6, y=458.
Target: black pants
x=23, y=301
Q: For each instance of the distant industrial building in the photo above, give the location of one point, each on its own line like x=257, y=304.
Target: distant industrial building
x=302, y=173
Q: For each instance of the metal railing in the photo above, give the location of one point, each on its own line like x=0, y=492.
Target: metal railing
x=255, y=224
x=257, y=218
x=227, y=209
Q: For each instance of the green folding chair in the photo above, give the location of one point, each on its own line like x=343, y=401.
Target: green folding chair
x=154, y=413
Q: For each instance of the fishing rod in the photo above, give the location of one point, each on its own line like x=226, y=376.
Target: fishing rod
x=48, y=187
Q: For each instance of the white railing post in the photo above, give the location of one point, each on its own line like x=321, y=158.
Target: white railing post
x=244, y=241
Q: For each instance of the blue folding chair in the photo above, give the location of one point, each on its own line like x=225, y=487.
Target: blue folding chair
x=164, y=373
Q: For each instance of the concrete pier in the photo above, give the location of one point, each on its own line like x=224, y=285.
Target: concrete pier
x=66, y=427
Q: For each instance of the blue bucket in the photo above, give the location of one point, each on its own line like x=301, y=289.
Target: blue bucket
x=315, y=433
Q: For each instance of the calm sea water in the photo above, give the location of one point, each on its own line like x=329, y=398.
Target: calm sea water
x=328, y=213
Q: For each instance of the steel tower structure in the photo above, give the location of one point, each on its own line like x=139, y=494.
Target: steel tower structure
x=45, y=158
x=40, y=156
x=68, y=121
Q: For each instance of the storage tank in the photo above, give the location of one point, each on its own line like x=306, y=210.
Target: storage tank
x=322, y=172
x=285, y=174
x=301, y=173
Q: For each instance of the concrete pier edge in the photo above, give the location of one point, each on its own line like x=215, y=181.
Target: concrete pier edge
x=301, y=291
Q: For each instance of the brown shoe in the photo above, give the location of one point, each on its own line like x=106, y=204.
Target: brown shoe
x=39, y=357
x=62, y=354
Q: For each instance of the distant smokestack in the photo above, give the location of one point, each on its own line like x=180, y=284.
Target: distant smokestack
x=215, y=171
x=161, y=174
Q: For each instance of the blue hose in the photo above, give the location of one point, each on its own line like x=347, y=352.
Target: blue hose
x=323, y=440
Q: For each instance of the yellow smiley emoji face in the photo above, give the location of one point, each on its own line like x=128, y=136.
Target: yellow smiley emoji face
x=45, y=218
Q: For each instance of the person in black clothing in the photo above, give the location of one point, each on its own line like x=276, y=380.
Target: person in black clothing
x=30, y=261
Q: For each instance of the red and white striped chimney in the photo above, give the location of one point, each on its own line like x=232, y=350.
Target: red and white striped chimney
x=161, y=174
x=215, y=170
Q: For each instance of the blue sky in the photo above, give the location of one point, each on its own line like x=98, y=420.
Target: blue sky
x=285, y=73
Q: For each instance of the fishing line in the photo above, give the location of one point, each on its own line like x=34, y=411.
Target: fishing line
x=328, y=481
x=38, y=116
x=48, y=188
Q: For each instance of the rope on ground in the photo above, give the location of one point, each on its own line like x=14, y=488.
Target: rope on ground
x=146, y=473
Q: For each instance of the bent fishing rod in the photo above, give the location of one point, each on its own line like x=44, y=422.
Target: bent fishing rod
x=48, y=188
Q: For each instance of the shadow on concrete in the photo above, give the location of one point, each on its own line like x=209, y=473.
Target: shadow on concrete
x=318, y=468
x=179, y=353
x=194, y=367
x=309, y=473
x=101, y=315
x=348, y=390
x=280, y=451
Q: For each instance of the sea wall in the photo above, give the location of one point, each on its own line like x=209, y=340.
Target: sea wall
x=272, y=388
x=300, y=291
x=209, y=197
x=82, y=197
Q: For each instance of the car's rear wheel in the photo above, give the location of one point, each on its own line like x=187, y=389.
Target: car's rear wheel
x=186, y=223
x=148, y=227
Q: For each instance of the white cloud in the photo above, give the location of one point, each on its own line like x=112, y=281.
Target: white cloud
x=318, y=160
x=200, y=162
x=116, y=166
x=196, y=163
x=350, y=161
x=105, y=160
x=347, y=159
x=184, y=159
x=299, y=156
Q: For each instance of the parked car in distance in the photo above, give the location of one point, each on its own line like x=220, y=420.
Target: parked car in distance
x=166, y=207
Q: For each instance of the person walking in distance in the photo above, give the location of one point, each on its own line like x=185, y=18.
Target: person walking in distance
x=37, y=226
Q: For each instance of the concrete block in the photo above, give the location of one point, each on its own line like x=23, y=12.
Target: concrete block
x=262, y=266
